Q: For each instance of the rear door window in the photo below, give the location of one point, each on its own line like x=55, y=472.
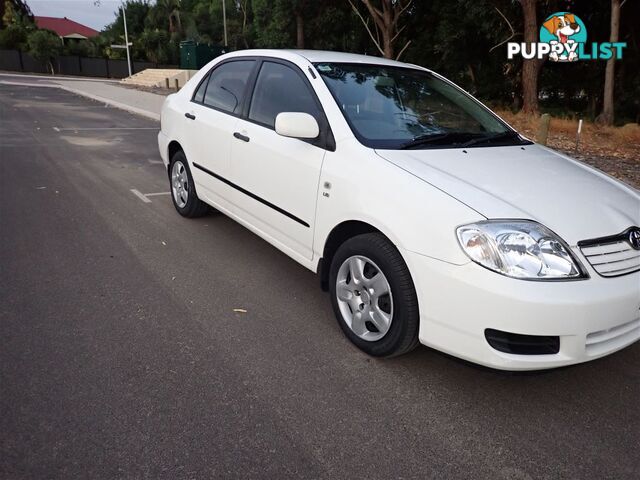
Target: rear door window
x=226, y=86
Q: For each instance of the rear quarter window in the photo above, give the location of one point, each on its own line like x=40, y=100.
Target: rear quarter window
x=199, y=95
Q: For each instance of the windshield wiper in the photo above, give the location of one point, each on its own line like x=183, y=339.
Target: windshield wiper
x=439, y=138
x=492, y=138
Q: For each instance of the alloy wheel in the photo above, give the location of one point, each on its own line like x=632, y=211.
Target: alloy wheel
x=364, y=298
x=179, y=184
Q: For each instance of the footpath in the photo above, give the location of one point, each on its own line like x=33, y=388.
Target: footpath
x=107, y=91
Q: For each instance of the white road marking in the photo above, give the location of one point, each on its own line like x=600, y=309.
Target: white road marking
x=156, y=194
x=154, y=162
x=56, y=129
x=140, y=195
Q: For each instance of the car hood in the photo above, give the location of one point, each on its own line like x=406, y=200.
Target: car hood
x=527, y=182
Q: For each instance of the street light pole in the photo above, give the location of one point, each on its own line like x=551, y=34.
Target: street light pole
x=126, y=38
x=224, y=22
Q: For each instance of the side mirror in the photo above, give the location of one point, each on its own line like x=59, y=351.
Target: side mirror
x=297, y=125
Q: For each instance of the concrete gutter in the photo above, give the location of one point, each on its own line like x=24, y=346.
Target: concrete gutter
x=113, y=103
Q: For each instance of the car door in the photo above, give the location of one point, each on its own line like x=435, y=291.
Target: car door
x=278, y=176
x=211, y=121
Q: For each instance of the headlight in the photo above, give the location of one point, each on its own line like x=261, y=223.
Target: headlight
x=519, y=249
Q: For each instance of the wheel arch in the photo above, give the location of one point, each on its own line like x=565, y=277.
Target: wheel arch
x=338, y=235
x=173, y=148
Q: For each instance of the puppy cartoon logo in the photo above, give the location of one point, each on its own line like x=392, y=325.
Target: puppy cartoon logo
x=563, y=38
x=563, y=31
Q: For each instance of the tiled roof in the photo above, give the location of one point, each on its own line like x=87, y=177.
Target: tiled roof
x=65, y=27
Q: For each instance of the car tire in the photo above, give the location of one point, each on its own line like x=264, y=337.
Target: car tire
x=381, y=324
x=183, y=191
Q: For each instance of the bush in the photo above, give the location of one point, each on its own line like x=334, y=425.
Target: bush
x=13, y=36
x=44, y=46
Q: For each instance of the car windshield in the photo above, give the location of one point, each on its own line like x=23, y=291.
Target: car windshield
x=395, y=107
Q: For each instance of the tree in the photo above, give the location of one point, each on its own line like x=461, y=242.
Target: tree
x=299, y=7
x=154, y=43
x=170, y=9
x=386, y=16
x=607, y=115
x=44, y=46
x=17, y=22
x=13, y=36
x=11, y=11
x=530, y=67
x=243, y=8
x=138, y=13
x=273, y=23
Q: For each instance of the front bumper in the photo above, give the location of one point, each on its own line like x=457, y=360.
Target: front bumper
x=592, y=317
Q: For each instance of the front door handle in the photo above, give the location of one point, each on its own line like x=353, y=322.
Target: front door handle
x=240, y=136
x=190, y=116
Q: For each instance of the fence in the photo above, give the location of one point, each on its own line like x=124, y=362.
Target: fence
x=17, y=61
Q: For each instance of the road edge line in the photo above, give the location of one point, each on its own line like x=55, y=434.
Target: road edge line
x=113, y=103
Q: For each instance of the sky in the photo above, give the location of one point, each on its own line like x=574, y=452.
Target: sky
x=81, y=11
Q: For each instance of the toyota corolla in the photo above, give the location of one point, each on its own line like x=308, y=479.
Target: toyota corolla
x=427, y=218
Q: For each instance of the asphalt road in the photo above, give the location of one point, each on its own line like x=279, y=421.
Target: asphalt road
x=122, y=356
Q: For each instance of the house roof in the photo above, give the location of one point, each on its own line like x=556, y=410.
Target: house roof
x=65, y=27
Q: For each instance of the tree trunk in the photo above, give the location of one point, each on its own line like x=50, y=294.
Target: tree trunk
x=531, y=67
x=607, y=115
x=593, y=105
x=388, y=46
x=299, y=30
x=178, y=21
x=243, y=7
x=385, y=16
x=388, y=32
x=472, y=75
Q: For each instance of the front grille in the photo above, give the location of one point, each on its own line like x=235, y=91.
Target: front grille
x=615, y=337
x=611, y=259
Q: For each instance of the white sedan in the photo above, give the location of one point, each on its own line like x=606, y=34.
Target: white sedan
x=427, y=218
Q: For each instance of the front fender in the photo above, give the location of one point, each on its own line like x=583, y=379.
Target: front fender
x=357, y=184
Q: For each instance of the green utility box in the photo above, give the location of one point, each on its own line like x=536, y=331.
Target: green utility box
x=194, y=56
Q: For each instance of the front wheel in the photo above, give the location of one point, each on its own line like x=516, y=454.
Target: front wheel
x=183, y=190
x=373, y=296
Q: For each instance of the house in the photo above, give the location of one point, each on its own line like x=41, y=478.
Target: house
x=66, y=28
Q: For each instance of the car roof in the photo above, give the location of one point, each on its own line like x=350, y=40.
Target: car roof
x=321, y=56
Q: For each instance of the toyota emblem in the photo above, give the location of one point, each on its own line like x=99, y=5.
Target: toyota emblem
x=634, y=238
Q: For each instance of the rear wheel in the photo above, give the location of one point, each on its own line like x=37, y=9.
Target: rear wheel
x=373, y=296
x=183, y=190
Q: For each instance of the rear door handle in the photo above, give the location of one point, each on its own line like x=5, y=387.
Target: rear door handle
x=239, y=136
x=190, y=116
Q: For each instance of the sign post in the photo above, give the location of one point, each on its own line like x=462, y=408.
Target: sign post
x=126, y=38
x=224, y=21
